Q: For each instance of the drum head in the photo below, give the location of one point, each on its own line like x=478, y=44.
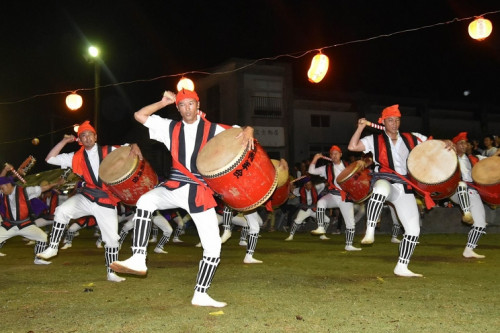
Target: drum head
x=118, y=165
x=431, y=163
x=349, y=170
x=487, y=171
x=282, y=171
x=220, y=152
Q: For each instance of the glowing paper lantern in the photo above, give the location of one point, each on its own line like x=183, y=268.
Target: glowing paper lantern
x=319, y=67
x=185, y=83
x=74, y=101
x=35, y=141
x=480, y=28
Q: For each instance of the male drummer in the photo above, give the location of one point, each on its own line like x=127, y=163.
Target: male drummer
x=94, y=198
x=467, y=197
x=185, y=187
x=335, y=198
x=390, y=151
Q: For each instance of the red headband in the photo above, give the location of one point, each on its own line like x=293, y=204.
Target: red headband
x=390, y=111
x=85, y=126
x=335, y=148
x=461, y=136
x=184, y=93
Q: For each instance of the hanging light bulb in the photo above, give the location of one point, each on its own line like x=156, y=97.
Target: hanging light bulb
x=480, y=28
x=185, y=83
x=319, y=67
x=74, y=101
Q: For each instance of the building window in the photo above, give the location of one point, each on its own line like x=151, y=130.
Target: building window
x=320, y=120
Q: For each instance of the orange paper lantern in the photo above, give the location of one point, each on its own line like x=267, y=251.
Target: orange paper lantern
x=319, y=67
x=480, y=28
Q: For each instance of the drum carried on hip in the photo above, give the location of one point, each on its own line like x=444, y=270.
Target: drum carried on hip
x=355, y=179
x=434, y=169
x=244, y=178
x=486, y=176
x=126, y=176
x=280, y=195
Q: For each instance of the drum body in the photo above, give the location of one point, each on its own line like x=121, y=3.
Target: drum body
x=486, y=176
x=126, y=176
x=244, y=178
x=356, y=181
x=434, y=169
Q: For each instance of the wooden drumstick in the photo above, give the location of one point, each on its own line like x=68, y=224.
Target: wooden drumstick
x=377, y=126
x=326, y=158
x=18, y=175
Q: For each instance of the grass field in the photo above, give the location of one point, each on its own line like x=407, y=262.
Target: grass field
x=306, y=285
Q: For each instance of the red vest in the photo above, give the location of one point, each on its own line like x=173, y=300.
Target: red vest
x=23, y=210
x=81, y=166
x=383, y=155
x=303, y=198
x=200, y=197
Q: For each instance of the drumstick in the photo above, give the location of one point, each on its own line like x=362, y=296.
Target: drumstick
x=327, y=158
x=18, y=175
x=377, y=126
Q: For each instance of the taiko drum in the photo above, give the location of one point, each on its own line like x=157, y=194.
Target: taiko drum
x=486, y=176
x=280, y=195
x=126, y=175
x=434, y=169
x=355, y=180
x=244, y=178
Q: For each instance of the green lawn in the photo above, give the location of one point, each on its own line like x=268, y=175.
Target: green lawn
x=306, y=285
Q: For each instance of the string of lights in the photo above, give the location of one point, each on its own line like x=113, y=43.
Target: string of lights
x=294, y=55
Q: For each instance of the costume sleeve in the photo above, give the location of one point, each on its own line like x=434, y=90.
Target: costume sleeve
x=33, y=191
x=321, y=171
x=63, y=160
x=368, y=143
x=159, y=129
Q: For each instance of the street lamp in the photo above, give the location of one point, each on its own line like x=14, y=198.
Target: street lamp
x=94, y=54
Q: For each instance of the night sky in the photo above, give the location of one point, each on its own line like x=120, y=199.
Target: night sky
x=44, y=42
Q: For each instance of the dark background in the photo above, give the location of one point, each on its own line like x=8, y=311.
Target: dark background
x=147, y=45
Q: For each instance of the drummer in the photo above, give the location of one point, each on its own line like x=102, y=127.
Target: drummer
x=468, y=198
x=94, y=198
x=335, y=198
x=185, y=187
x=390, y=152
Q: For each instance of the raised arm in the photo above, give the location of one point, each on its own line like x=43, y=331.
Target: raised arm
x=60, y=145
x=355, y=144
x=143, y=114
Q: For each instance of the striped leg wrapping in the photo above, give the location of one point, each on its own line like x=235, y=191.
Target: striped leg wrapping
x=206, y=272
x=252, y=243
x=154, y=230
x=406, y=248
x=463, y=199
x=40, y=247
x=2, y=243
x=396, y=228
x=295, y=226
x=142, y=229
x=164, y=240
x=320, y=217
x=69, y=236
x=123, y=235
x=110, y=254
x=474, y=234
x=374, y=209
x=56, y=234
x=349, y=236
x=244, y=233
x=226, y=218
x=178, y=231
